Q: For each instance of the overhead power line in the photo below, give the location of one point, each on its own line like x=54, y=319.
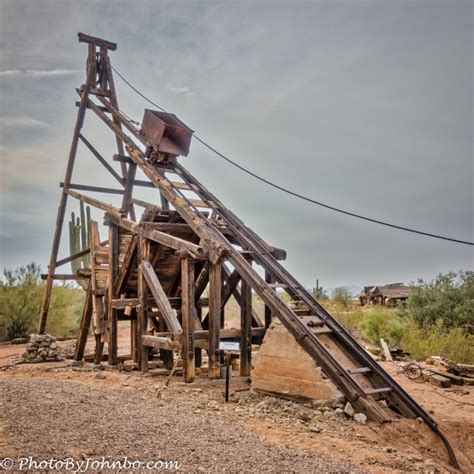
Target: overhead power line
x=292, y=193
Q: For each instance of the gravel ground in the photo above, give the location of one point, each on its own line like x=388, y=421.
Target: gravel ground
x=63, y=418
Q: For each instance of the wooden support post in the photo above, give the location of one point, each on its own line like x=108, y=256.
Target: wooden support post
x=85, y=325
x=215, y=294
x=67, y=179
x=133, y=339
x=165, y=355
x=112, y=312
x=245, y=328
x=142, y=309
x=197, y=351
x=268, y=311
x=188, y=313
x=99, y=349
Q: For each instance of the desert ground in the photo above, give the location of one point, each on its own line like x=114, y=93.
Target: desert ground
x=84, y=412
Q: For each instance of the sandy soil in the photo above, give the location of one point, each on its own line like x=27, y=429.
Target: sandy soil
x=53, y=409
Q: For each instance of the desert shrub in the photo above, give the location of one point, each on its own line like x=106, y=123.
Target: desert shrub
x=351, y=320
x=342, y=297
x=448, y=297
x=21, y=292
x=380, y=322
x=454, y=344
x=20, y=299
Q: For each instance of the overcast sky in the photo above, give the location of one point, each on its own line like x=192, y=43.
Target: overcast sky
x=365, y=105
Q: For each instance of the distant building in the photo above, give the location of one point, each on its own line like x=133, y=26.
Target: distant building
x=388, y=295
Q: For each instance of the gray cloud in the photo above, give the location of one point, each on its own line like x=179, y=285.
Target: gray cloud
x=37, y=72
x=363, y=105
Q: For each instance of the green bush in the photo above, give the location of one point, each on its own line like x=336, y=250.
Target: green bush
x=342, y=297
x=448, y=297
x=380, y=322
x=454, y=344
x=21, y=292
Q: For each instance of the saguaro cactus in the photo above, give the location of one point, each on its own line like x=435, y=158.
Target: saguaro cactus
x=79, y=239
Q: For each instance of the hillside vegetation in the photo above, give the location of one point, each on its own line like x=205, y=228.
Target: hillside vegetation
x=437, y=319
x=21, y=292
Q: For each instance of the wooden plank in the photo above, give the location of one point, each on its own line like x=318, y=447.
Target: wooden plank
x=268, y=310
x=112, y=312
x=84, y=327
x=126, y=267
x=83, y=38
x=101, y=159
x=160, y=342
x=228, y=334
x=127, y=196
x=246, y=328
x=188, y=314
x=64, y=276
x=95, y=189
x=165, y=239
x=72, y=257
x=142, y=310
x=215, y=294
x=386, y=350
x=160, y=297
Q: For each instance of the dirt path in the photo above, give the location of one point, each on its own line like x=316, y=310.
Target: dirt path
x=49, y=417
x=57, y=410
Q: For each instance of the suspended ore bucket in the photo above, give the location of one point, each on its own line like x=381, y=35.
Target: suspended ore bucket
x=166, y=135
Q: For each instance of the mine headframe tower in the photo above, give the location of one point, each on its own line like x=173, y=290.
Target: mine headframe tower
x=154, y=270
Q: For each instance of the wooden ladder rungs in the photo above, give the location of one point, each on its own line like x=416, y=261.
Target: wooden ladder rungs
x=321, y=330
x=373, y=391
x=312, y=320
x=179, y=185
x=360, y=370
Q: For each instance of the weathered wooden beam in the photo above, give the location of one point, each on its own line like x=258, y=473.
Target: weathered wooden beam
x=83, y=38
x=101, y=159
x=228, y=334
x=215, y=295
x=146, y=205
x=72, y=257
x=126, y=267
x=188, y=313
x=122, y=158
x=155, y=235
x=104, y=109
x=84, y=327
x=245, y=328
x=142, y=309
x=160, y=342
x=112, y=312
x=127, y=196
x=160, y=297
x=64, y=276
x=268, y=310
x=95, y=189
x=175, y=302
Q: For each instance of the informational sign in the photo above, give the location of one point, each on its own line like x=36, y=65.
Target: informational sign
x=229, y=346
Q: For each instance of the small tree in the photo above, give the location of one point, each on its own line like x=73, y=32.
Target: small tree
x=449, y=297
x=20, y=299
x=342, y=297
x=21, y=292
